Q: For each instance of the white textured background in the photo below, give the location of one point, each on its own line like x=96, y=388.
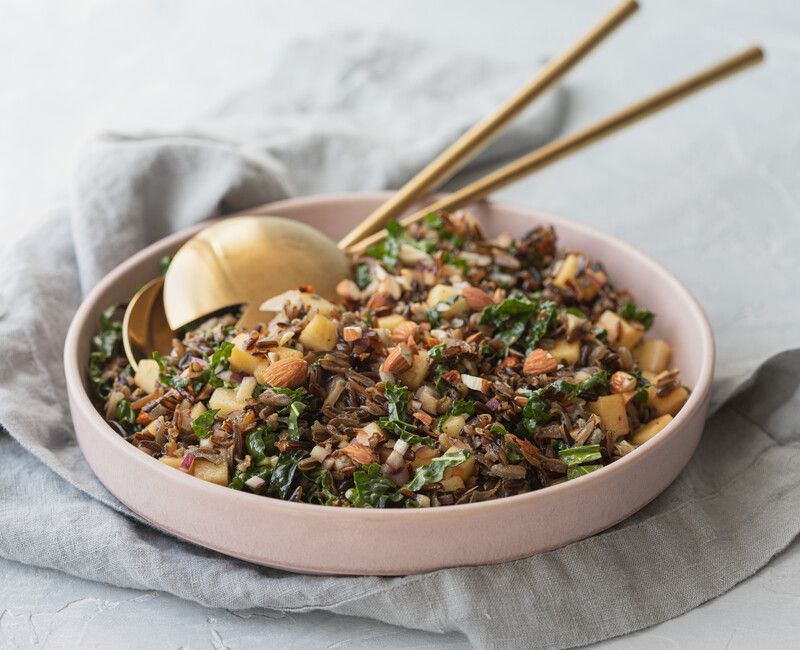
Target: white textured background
x=71, y=69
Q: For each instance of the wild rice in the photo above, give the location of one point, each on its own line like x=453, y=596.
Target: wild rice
x=432, y=340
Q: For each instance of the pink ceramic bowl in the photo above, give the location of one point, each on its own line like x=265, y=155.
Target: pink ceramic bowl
x=299, y=536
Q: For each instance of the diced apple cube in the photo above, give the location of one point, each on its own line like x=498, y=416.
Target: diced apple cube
x=241, y=360
x=647, y=431
x=325, y=307
x=319, y=334
x=172, y=461
x=197, y=410
x=414, y=377
x=444, y=292
x=282, y=352
x=566, y=272
x=391, y=321
x=452, y=484
x=653, y=355
x=224, y=399
x=462, y=471
x=211, y=472
x=146, y=375
x=155, y=426
x=620, y=331
x=611, y=411
x=670, y=403
x=453, y=425
x=566, y=352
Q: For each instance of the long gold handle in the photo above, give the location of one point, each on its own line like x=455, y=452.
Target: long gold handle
x=469, y=144
x=549, y=153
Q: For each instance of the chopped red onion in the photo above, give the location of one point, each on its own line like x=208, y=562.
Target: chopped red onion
x=188, y=461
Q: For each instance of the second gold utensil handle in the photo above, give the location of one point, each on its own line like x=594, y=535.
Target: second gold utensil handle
x=559, y=148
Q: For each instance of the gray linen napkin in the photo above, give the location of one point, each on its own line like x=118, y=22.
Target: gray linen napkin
x=344, y=113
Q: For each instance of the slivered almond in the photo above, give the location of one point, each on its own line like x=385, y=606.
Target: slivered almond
x=359, y=453
x=381, y=303
x=539, y=362
x=399, y=359
x=286, y=373
x=422, y=417
x=476, y=299
x=404, y=330
x=352, y=333
x=622, y=382
x=348, y=290
x=476, y=383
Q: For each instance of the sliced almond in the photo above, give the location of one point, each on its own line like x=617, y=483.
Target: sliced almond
x=539, y=362
x=422, y=417
x=404, y=330
x=348, y=290
x=476, y=383
x=476, y=299
x=286, y=373
x=622, y=382
x=399, y=360
x=381, y=302
x=352, y=333
x=360, y=454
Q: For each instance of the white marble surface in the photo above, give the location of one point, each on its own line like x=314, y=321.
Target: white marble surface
x=69, y=70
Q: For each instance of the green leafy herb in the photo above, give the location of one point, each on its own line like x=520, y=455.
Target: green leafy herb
x=219, y=362
x=436, y=352
x=433, y=472
x=238, y=482
x=575, y=312
x=459, y=262
x=438, y=224
x=600, y=334
x=260, y=443
x=546, y=318
x=459, y=407
x=167, y=375
x=580, y=455
x=105, y=344
x=322, y=491
x=512, y=320
x=435, y=312
x=164, y=263
x=537, y=411
x=387, y=251
x=372, y=489
x=397, y=421
x=203, y=423
x=282, y=477
x=126, y=414
x=581, y=470
x=295, y=409
x=630, y=311
x=362, y=275
x=642, y=384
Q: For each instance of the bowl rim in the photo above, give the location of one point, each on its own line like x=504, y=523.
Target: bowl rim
x=74, y=369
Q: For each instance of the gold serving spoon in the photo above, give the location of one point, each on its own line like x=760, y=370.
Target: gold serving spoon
x=243, y=260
